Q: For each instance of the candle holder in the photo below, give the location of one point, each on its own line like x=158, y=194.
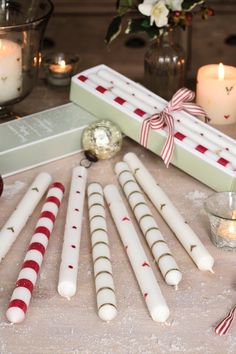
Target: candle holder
x=22, y=27
x=60, y=67
x=221, y=210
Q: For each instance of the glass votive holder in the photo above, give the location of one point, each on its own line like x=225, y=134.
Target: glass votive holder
x=60, y=67
x=221, y=210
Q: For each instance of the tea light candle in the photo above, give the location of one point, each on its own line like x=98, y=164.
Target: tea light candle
x=216, y=92
x=221, y=210
x=151, y=292
x=59, y=74
x=60, y=67
x=10, y=70
x=227, y=228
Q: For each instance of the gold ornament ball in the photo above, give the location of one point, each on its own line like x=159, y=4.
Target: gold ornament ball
x=103, y=139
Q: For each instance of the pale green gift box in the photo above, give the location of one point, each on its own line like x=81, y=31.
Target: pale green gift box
x=99, y=100
x=41, y=137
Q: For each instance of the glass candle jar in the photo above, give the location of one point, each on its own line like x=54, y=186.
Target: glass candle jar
x=221, y=210
x=22, y=27
x=60, y=67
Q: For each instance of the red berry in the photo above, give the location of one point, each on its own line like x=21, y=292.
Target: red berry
x=177, y=13
x=189, y=16
x=210, y=12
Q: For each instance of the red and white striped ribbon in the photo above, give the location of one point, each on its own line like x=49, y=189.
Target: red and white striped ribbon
x=34, y=256
x=180, y=101
x=224, y=325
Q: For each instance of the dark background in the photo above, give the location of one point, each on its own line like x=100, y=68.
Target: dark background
x=79, y=26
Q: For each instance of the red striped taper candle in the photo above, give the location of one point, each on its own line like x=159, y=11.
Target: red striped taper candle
x=21, y=296
x=224, y=325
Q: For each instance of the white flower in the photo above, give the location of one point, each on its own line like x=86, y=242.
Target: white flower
x=157, y=11
x=174, y=5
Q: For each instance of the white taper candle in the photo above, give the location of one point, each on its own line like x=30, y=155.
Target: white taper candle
x=160, y=250
x=151, y=292
x=34, y=256
x=67, y=283
x=21, y=214
x=169, y=212
x=105, y=290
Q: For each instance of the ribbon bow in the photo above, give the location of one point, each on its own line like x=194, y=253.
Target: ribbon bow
x=180, y=101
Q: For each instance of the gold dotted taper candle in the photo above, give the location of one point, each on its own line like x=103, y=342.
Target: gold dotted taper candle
x=104, y=284
x=161, y=252
x=170, y=213
x=149, y=287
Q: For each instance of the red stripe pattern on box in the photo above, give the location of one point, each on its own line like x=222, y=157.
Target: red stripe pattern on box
x=161, y=120
x=34, y=256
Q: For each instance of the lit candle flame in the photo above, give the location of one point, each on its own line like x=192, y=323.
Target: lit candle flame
x=221, y=72
x=62, y=63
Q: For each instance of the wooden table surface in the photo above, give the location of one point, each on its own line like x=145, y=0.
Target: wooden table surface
x=56, y=325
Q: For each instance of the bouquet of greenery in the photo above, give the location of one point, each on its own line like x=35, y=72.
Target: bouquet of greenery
x=154, y=16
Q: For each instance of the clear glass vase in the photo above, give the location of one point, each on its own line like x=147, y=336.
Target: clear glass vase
x=164, y=66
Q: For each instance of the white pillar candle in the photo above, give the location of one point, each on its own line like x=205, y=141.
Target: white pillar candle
x=21, y=214
x=171, y=215
x=10, y=70
x=160, y=250
x=104, y=284
x=193, y=124
x=151, y=292
x=67, y=283
x=26, y=280
x=216, y=92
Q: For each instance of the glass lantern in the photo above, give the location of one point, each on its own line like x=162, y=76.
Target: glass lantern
x=22, y=27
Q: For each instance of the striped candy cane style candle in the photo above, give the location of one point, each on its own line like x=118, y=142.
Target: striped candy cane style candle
x=151, y=292
x=169, y=212
x=32, y=262
x=148, y=225
x=21, y=214
x=67, y=283
x=224, y=325
x=106, y=299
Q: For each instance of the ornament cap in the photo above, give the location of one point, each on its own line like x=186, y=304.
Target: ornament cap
x=90, y=155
